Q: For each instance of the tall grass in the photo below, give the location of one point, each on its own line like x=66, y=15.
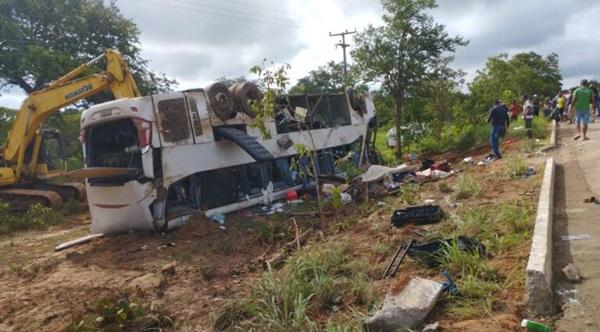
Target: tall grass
x=290, y=299
x=515, y=167
x=466, y=186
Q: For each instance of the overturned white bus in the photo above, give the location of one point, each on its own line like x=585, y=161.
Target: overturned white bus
x=152, y=161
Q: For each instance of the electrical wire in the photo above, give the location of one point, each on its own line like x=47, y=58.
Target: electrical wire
x=221, y=14
x=286, y=20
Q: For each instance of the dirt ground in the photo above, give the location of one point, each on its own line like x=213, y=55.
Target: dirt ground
x=45, y=290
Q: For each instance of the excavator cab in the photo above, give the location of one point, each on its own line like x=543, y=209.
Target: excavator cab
x=52, y=159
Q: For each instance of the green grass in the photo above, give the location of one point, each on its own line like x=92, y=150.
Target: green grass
x=466, y=186
x=37, y=217
x=312, y=281
x=515, y=166
x=500, y=228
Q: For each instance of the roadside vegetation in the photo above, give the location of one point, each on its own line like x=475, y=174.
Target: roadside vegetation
x=37, y=216
x=120, y=314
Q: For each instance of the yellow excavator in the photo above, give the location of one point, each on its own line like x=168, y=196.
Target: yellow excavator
x=32, y=156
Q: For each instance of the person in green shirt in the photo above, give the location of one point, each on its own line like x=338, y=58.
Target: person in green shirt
x=583, y=97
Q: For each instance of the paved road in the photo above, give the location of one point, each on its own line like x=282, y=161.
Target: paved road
x=578, y=178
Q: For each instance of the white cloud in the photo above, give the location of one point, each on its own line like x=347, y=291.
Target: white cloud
x=196, y=41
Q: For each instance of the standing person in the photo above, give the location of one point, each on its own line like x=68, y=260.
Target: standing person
x=583, y=97
x=514, y=110
x=498, y=118
x=547, y=107
x=536, y=105
x=528, y=115
x=561, y=102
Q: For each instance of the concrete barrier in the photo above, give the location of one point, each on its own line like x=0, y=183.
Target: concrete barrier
x=553, y=134
x=538, y=284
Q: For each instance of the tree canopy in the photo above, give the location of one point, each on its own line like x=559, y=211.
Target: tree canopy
x=328, y=79
x=509, y=78
x=404, y=52
x=42, y=40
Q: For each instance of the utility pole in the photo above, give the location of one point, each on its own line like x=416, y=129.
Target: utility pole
x=343, y=45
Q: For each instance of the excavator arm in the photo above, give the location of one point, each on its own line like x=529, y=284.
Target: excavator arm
x=40, y=104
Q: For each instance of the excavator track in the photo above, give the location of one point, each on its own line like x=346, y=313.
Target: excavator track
x=21, y=199
x=68, y=191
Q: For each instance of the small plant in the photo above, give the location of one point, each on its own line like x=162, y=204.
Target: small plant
x=466, y=186
x=38, y=216
x=410, y=193
x=119, y=315
x=515, y=167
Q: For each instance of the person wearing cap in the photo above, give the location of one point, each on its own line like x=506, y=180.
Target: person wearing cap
x=583, y=97
x=499, y=119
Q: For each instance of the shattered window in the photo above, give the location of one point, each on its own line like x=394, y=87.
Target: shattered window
x=195, y=117
x=339, y=113
x=173, y=120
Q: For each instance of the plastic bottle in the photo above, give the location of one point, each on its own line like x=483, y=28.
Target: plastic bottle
x=535, y=326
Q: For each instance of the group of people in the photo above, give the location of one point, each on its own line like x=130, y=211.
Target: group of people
x=576, y=105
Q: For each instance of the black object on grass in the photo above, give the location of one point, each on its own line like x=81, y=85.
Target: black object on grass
x=417, y=215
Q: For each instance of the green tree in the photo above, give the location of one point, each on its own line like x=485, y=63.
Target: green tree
x=328, y=79
x=6, y=117
x=42, y=40
x=509, y=78
x=443, y=96
x=403, y=52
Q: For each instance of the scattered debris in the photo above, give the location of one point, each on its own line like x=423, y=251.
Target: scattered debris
x=591, y=199
x=346, y=198
x=576, y=237
x=75, y=242
x=530, y=171
x=381, y=203
x=469, y=160
x=568, y=296
x=395, y=263
x=454, y=205
x=571, y=272
x=377, y=173
x=166, y=245
x=407, y=309
x=418, y=215
x=428, y=253
x=449, y=286
x=291, y=195
x=431, y=327
x=535, y=326
x=219, y=218
x=168, y=269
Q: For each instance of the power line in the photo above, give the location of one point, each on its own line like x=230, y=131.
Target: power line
x=193, y=3
x=343, y=45
x=271, y=9
x=220, y=14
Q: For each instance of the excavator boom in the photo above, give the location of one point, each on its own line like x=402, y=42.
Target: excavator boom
x=21, y=150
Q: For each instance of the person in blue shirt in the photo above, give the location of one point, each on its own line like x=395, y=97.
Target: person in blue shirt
x=499, y=120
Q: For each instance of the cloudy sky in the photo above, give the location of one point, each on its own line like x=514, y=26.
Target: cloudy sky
x=196, y=41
